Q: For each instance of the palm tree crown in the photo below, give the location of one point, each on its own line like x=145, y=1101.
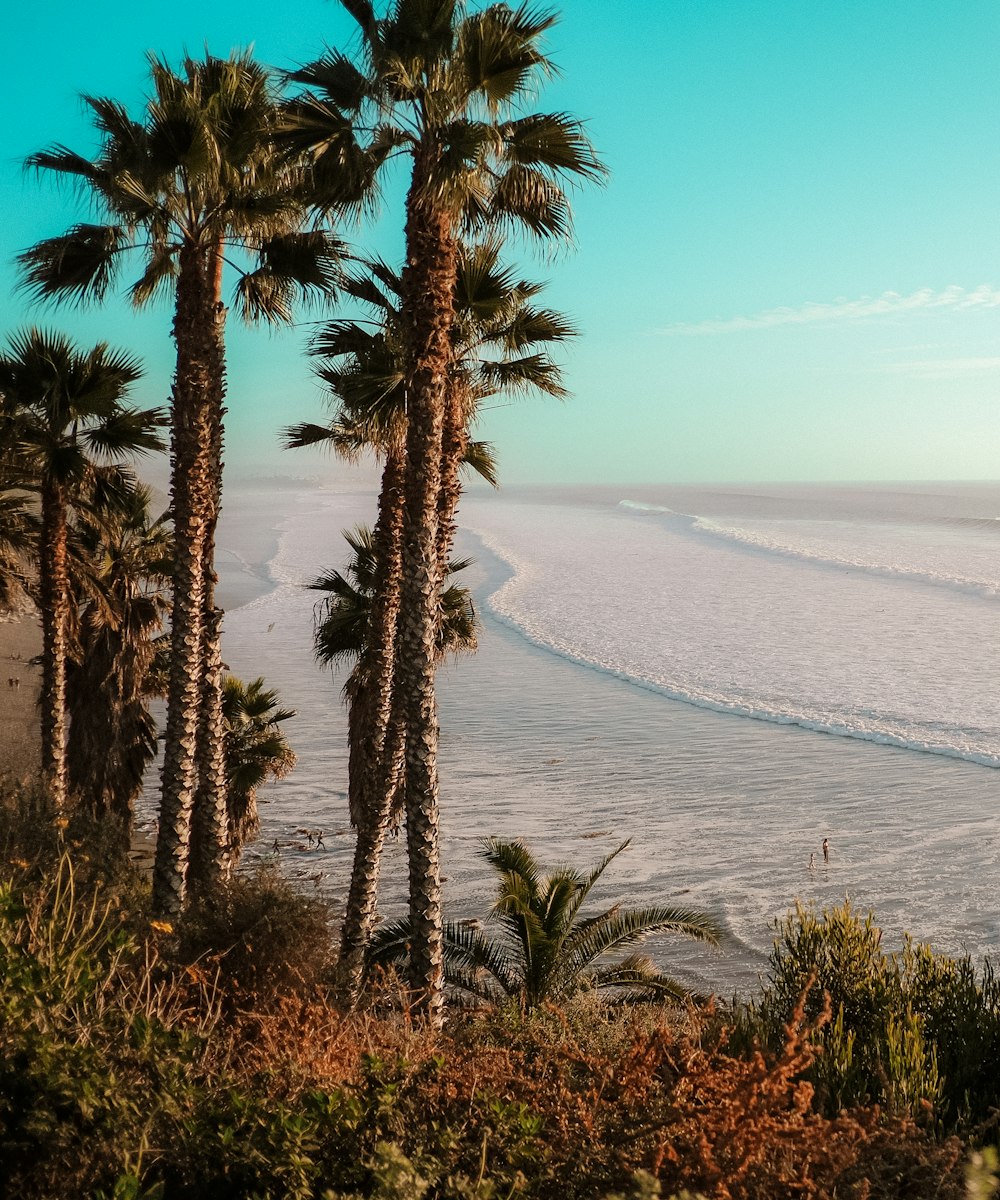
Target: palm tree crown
x=546, y=948
x=197, y=171
x=62, y=415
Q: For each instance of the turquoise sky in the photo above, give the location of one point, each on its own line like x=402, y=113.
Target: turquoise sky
x=793, y=273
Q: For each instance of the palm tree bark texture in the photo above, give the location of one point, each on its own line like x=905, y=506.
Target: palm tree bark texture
x=209, y=864
x=429, y=311
x=54, y=592
x=375, y=760
x=198, y=391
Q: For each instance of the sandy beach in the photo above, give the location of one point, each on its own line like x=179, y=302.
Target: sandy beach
x=20, y=641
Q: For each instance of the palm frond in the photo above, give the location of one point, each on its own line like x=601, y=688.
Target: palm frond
x=290, y=263
x=468, y=954
x=335, y=75
x=79, y=265
x=530, y=372
x=499, y=52
x=129, y=431
x=63, y=161
x=525, y=196
x=160, y=273
x=617, y=929
x=512, y=859
x=481, y=458
x=555, y=141
x=635, y=979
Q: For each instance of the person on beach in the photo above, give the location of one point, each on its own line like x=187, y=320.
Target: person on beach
x=826, y=850
x=812, y=861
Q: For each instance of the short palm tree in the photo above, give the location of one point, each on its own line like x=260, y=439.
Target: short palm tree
x=112, y=733
x=547, y=949
x=194, y=185
x=342, y=632
x=256, y=751
x=448, y=89
x=63, y=410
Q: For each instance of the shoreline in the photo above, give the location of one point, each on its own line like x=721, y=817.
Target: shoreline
x=723, y=811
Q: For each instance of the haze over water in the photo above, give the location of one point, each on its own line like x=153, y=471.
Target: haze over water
x=724, y=675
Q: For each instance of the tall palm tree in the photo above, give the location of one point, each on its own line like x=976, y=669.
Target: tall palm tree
x=112, y=734
x=63, y=409
x=445, y=88
x=194, y=185
x=501, y=346
x=546, y=949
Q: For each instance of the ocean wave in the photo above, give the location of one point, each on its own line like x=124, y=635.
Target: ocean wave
x=939, y=738
x=745, y=539
x=638, y=506
x=986, y=588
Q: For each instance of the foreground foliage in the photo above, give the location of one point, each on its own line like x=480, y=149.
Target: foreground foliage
x=137, y=1059
x=913, y=1031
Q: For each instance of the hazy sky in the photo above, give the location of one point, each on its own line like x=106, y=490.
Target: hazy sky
x=793, y=273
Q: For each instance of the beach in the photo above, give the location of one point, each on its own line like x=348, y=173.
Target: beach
x=576, y=756
x=577, y=748
x=20, y=641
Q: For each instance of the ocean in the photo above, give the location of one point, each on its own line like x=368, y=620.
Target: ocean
x=724, y=676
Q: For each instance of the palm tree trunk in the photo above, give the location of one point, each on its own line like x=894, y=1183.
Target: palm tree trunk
x=197, y=390
x=454, y=444
x=210, y=856
x=54, y=593
x=428, y=311
x=375, y=759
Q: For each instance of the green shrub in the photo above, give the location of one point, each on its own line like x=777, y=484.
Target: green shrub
x=258, y=936
x=93, y=1039
x=912, y=1031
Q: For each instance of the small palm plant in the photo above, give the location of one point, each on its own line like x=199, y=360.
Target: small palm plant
x=256, y=751
x=546, y=950
x=343, y=634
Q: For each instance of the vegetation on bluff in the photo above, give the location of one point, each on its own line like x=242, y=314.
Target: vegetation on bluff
x=139, y=1058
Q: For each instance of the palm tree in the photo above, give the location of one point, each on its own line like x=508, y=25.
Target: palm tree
x=343, y=629
x=112, y=734
x=501, y=341
x=61, y=409
x=18, y=538
x=256, y=750
x=444, y=87
x=193, y=185
x=546, y=949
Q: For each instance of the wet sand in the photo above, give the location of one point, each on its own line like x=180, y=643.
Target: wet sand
x=20, y=641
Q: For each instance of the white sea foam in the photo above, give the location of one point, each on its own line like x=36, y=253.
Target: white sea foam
x=777, y=637
x=985, y=584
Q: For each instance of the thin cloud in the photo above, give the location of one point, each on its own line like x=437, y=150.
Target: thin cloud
x=867, y=308
x=944, y=368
